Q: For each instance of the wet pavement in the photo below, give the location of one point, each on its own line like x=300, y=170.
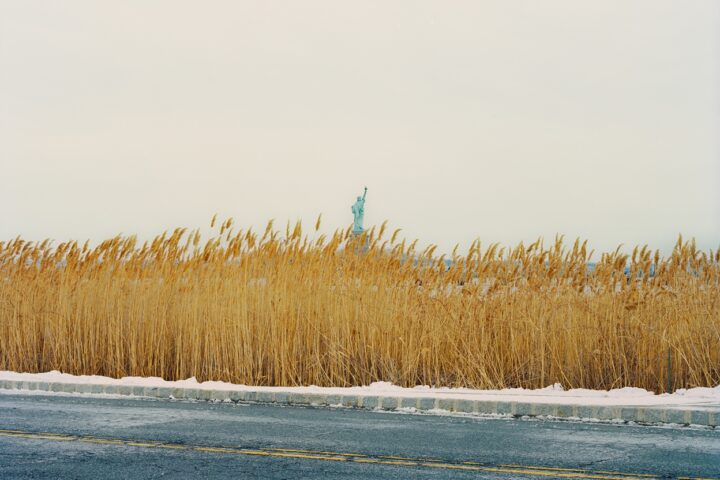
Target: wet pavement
x=75, y=436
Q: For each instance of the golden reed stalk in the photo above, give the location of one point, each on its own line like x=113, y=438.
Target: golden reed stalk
x=285, y=309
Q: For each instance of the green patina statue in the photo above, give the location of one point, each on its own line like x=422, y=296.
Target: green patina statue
x=358, y=210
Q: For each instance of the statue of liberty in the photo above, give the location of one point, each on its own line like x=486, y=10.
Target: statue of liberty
x=358, y=210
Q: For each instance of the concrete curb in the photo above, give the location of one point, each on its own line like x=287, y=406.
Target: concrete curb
x=654, y=415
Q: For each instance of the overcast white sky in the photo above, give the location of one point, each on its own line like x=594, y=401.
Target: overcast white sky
x=504, y=120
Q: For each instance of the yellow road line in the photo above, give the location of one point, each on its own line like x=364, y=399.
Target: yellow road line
x=512, y=465
x=171, y=445
x=41, y=437
x=646, y=475
x=577, y=470
x=393, y=457
x=315, y=451
x=101, y=441
x=213, y=449
x=539, y=471
x=385, y=462
x=308, y=456
x=141, y=444
x=36, y=433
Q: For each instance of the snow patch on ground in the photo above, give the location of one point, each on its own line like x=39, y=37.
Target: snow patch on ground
x=555, y=394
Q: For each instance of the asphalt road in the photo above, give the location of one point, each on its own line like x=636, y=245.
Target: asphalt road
x=82, y=437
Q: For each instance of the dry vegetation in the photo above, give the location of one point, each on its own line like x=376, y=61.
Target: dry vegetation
x=281, y=309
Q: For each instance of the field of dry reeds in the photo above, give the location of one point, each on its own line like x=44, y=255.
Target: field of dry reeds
x=283, y=308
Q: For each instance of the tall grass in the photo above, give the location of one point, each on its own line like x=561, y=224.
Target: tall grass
x=281, y=308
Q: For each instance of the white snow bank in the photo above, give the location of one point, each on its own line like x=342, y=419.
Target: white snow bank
x=555, y=394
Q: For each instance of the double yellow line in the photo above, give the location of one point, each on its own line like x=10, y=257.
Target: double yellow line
x=538, y=471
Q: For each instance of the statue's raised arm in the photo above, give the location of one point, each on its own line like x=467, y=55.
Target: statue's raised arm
x=365, y=194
